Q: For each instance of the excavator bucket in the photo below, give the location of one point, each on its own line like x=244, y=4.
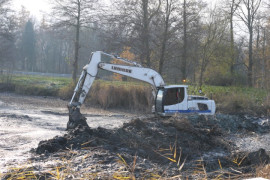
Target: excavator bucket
x=76, y=119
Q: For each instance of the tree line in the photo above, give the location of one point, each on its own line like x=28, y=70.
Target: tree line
x=184, y=40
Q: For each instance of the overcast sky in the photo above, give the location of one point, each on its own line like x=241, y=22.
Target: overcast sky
x=36, y=7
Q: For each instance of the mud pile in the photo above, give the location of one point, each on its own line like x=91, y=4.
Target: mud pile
x=144, y=137
x=169, y=142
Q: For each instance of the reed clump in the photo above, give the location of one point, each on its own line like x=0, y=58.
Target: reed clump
x=110, y=96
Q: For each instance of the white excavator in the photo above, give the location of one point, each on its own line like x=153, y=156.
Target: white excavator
x=169, y=100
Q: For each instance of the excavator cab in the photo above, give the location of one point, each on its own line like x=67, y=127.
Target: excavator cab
x=174, y=99
x=171, y=99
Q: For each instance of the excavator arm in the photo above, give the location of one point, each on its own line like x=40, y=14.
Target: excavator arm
x=134, y=70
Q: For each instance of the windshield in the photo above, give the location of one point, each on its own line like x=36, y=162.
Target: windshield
x=159, y=105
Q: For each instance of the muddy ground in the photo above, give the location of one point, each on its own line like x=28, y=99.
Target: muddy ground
x=120, y=145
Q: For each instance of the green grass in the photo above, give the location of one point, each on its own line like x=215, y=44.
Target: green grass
x=258, y=94
x=35, y=85
x=57, y=83
x=235, y=100
x=42, y=81
x=230, y=99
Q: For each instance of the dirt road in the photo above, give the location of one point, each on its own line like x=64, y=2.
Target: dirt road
x=26, y=120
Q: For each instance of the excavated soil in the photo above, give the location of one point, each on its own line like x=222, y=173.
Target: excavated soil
x=166, y=144
x=220, y=146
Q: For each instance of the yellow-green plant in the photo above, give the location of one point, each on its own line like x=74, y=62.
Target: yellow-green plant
x=173, y=154
x=24, y=172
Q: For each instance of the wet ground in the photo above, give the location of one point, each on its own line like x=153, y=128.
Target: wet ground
x=122, y=145
x=26, y=120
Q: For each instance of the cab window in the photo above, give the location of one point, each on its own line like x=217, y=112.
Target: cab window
x=173, y=96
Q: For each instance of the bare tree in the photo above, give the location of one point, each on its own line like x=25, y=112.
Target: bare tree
x=147, y=17
x=214, y=31
x=191, y=11
x=184, y=60
x=7, y=38
x=233, y=5
x=168, y=18
x=75, y=14
x=133, y=22
x=247, y=13
x=5, y=20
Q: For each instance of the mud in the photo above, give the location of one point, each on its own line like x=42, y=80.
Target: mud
x=162, y=142
x=27, y=120
x=118, y=144
x=143, y=137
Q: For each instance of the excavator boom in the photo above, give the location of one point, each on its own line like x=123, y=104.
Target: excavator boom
x=135, y=71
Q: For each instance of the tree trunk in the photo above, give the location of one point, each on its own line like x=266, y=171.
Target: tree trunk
x=184, y=60
x=201, y=76
x=77, y=46
x=232, y=44
x=162, y=55
x=145, y=35
x=250, y=60
x=165, y=38
x=263, y=61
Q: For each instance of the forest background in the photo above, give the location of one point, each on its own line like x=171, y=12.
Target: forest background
x=225, y=44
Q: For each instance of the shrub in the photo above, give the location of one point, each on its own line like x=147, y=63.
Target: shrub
x=219, y=80
x=233, y=103
x=66, y=92
x=227, y=79
x=266, y=105
x=35, y=90
x=7, y=87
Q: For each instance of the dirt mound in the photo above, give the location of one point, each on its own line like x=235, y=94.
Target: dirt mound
x=232, y=123
x=168, y=142
x=253, y=158
x=148, y=138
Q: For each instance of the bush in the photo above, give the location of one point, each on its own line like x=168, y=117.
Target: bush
x=266, y=105
x=7, y=87
x=235, y=103
x=35, y=90
x=218, y=79
x=67, y=91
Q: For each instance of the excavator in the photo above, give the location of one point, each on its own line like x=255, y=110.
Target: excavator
x=169, y=99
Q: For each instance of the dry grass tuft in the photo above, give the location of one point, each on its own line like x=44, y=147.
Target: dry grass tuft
x=130, y=97
x=263, y=171
x=104, y=95
x=236, y=103
x=128, y=171
x=20, y=173
x=66, y=92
